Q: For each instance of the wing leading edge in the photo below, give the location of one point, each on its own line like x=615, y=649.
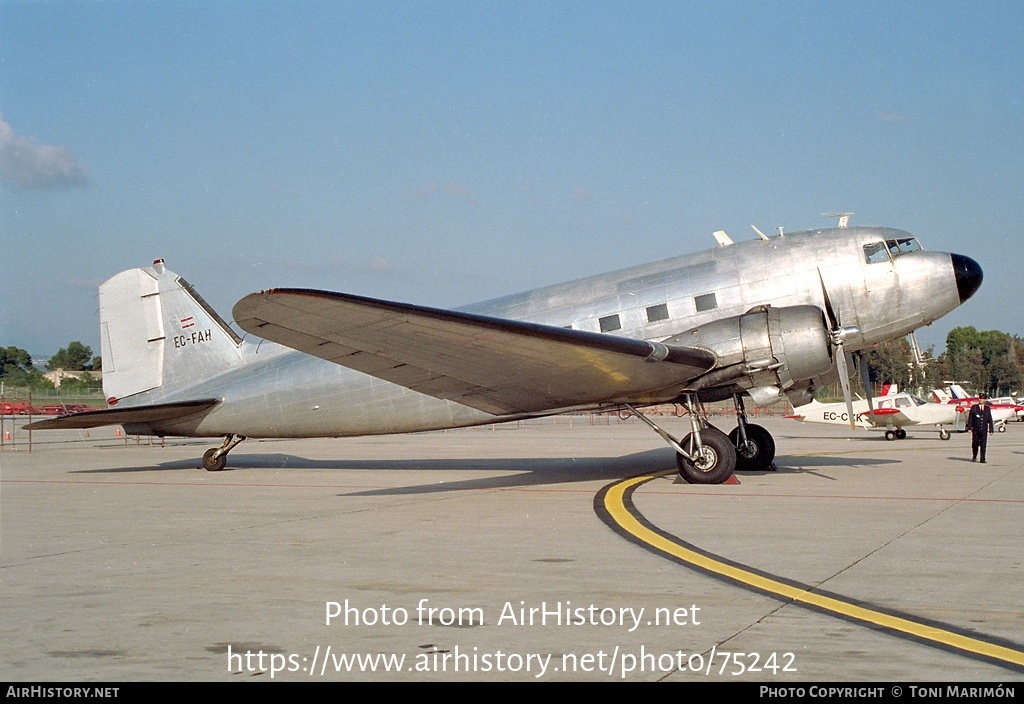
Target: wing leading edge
x=498, y=366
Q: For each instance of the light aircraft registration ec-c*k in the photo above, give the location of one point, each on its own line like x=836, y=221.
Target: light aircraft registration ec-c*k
x=757, y=320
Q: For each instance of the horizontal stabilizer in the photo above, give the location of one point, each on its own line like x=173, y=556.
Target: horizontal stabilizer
x=120, y=416
x=495, y=365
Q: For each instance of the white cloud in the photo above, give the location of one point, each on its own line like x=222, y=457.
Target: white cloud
x=24, y=163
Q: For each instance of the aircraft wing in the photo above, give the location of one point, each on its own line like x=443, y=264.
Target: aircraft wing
x=119, y=416
x=890, y=416
x=492, y=364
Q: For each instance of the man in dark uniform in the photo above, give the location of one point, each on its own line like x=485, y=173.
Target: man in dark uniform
x=979, y=422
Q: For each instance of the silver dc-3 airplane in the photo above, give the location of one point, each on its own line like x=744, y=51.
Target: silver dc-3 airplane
x=763, y=319
x=893, y=411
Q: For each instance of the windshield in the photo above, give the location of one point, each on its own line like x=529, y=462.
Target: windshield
x=902, y=245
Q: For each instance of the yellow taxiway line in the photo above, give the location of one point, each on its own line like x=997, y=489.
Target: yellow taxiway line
x=616, y=503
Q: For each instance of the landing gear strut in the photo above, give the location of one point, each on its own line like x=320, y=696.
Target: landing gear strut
x=216, y=458
x=755, y=446
x=706, y=455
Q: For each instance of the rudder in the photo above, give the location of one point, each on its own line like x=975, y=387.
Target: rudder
x=158, y=335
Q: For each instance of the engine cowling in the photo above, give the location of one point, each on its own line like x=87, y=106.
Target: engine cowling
x=766, y=351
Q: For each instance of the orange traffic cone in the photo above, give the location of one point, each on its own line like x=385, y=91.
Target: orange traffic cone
x=117, y=433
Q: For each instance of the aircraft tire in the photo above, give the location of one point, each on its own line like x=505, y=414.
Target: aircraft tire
x=716, y=462
x=759, y=451
x=901, y=434
x=944, y=435
x=890, y=434
x=214, y=465
x=1002, y=428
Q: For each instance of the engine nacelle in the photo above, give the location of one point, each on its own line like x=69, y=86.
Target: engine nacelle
x=766, y=350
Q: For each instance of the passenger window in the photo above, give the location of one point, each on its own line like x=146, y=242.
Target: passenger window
x=705, y=302
x=610, y=323
x=903, y=403
x=658, y=312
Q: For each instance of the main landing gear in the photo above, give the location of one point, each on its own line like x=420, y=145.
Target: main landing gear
x=755, y=446
x=709, y=456
x=216, y=458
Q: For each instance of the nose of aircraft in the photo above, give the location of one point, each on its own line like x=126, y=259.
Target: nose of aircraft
x=968, y=275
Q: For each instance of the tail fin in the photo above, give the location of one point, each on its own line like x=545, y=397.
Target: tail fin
x=958, y=391
x=158, y=335
x=940, y=395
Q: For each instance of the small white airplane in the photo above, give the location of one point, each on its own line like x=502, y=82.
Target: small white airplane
x=1003, y=410
x=892, y=410
x=764, y=319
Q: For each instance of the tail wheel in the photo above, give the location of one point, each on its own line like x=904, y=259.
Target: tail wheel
x=757, y=453
x=713, y=463
x=210, y=464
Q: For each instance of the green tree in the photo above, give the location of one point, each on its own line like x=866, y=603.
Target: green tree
x=938, y=371
x=892, y=361
x=16, y=369
x=971, y=368
x=76, y=357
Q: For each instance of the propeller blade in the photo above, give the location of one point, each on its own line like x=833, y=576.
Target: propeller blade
x=844, y=381
x=833, y=319
x=865, y=379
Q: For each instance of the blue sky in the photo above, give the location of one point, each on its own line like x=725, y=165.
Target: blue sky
x=447, y=152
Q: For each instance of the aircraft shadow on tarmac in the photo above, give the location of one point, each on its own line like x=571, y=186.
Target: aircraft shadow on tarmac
x=521, y=472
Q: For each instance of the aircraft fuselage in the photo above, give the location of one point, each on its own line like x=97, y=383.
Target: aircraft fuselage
x=278, y=392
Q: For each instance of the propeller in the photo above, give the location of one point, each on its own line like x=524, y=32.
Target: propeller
x=839, y=335
x=865, y=380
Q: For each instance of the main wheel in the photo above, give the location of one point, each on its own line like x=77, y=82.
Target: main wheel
x=890, y=434
x=211, y=464
x=901, y=434
x=757, y=453
x=715, y=461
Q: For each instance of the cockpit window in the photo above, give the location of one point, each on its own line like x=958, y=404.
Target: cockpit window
x=876, y=252
x=902, y=245
x=890, y=249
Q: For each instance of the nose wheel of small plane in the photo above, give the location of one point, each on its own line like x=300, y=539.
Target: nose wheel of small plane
x=944, y=435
